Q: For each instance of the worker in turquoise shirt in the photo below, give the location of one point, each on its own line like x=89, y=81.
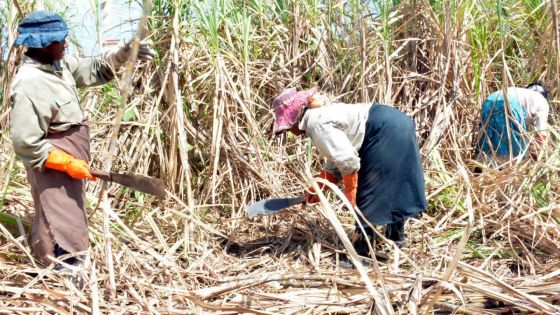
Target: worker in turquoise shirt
x=504, y=133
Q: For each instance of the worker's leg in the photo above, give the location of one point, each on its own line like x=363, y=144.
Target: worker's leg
x=395, y=232
x=361, y=244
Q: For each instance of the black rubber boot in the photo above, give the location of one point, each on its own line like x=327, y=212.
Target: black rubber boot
x=395, y=232
x=59, y=251
x=75, y=277
x=361, y=244
x=362, y=249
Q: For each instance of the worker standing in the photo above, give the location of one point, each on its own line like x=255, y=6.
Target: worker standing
x=50, y=133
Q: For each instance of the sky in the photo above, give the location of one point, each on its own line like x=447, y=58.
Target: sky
x=81, y=17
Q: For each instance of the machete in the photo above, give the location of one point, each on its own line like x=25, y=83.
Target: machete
x=141, y=183
x=270, y=206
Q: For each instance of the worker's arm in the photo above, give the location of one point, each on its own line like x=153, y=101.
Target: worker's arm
x=29, y=125
x=541, y=120
x=333, y=144
x=90, y=71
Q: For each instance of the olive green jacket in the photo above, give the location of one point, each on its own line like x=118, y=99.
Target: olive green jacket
x=45, y=99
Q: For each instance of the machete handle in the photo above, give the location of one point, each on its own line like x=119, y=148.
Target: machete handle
x=100, y=174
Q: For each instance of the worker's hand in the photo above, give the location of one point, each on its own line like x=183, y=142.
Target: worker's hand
x=145, y=51
x=351, y=187
x=310, y=194
x=79, y=169
x=119, y=55
x=541, y=138
x=64, y=162
x=318, y=100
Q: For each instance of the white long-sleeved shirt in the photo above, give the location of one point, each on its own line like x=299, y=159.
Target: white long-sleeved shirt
x=337, y=130
x=535, y=105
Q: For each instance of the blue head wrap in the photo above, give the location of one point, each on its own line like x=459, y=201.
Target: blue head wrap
x=39, y=29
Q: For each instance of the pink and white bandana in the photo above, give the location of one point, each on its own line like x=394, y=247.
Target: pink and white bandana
x=287, y=107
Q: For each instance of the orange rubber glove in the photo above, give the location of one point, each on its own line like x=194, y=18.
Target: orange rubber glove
x=350, y=187
x=64, y=162
x=310, y=193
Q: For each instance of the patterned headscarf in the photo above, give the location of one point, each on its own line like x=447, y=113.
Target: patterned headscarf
x=287, y=107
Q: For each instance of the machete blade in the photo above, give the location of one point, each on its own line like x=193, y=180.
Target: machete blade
x=141, y=183
x=270, y=206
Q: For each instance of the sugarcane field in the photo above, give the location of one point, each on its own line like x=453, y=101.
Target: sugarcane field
x=279, y=157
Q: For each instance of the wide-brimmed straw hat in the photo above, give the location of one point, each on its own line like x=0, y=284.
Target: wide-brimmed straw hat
x=287, y=107
x=39, y=29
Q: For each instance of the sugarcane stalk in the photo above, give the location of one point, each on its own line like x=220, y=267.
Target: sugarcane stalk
x=125, y=89
x=18, y=7
x=459, y=250
x=6, y=180
x=13, y=58
x=554, y=11
x=177, y=102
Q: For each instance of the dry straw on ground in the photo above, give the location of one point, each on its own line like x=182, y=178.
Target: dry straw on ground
x=487, y=244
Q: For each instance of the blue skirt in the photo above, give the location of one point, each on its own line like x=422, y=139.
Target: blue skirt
x=390, y=180
x=495, y=138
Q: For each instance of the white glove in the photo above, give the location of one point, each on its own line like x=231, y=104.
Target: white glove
x=119, y=55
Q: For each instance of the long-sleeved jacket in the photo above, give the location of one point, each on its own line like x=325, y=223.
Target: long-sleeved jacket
x=45, y=100
x=337, y=130
x=535, y=105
